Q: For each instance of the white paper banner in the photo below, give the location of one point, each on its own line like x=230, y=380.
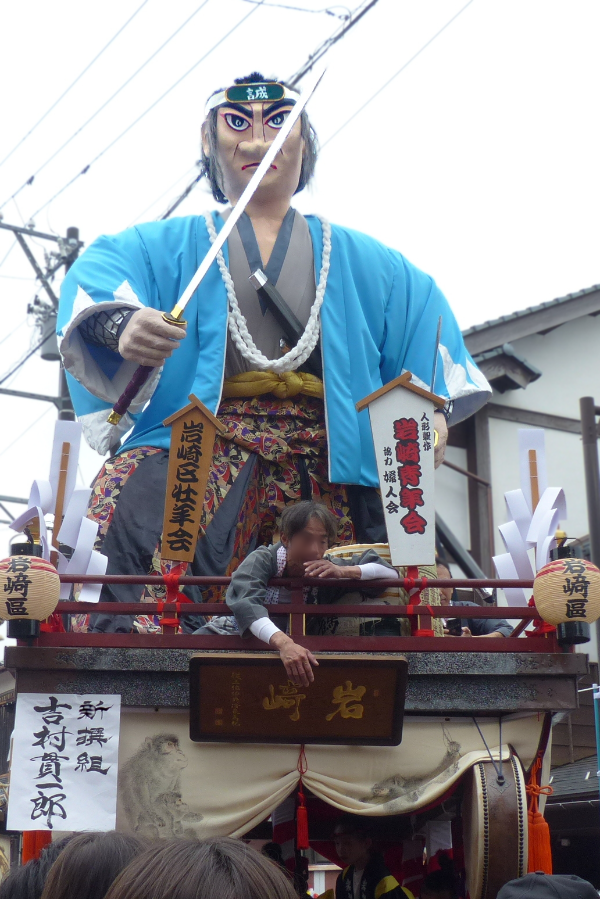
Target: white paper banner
x=517, y=548
x=505, y=568
x=518, y=510
x=97, y=565
x=552, y=498
x=64, y=762
x=76, y=510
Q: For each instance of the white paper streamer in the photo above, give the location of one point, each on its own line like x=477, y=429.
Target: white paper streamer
x=76, y=510
x=517, y=549
x=97, y=565
x=505, y=568
x=518, y=510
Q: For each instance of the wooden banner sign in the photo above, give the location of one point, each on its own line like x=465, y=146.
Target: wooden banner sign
x=193, y=431
x=401, y=415
x=247, y=697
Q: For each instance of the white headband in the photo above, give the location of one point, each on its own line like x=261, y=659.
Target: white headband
x=249, y=93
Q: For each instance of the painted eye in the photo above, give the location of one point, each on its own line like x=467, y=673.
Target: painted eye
x=237, y=122
x=277, y=120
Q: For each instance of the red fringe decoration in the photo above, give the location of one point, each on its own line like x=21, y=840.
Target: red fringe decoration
x=33, y=843
x=302, y=841
x=540, y=849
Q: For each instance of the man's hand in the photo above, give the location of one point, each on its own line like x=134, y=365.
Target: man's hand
x=439, y=423
x=325, y=568
x=148, y=339
x=296, y=659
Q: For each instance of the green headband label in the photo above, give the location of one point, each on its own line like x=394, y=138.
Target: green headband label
x=243, y=93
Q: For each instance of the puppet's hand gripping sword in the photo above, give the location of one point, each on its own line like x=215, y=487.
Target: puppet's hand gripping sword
x=174, y=317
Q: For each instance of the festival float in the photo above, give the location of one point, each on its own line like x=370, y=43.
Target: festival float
x=442, y=742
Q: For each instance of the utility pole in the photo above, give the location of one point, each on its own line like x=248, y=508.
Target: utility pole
x=45, y=311
x=66, y=412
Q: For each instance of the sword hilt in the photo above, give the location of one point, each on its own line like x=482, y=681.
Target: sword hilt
x=141, y=374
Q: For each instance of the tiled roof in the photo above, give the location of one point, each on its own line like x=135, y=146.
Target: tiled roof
x=576, y=779
x=529, y=310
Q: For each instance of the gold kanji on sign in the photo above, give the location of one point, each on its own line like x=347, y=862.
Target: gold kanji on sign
x=287, y=698
x=347, y=698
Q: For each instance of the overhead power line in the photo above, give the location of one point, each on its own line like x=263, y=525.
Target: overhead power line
x=23, y=360
x=321, y=50
x=337, y=35
x=109, y=146
x=328, y=10
x=22, y=434
x=72, y=85
x=400, y=70
x=31, y=178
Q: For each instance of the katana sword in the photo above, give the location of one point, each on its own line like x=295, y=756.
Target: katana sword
x=174, y=317
x=435, y=355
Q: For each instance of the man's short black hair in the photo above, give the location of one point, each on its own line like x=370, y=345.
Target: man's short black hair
x=210, y=168
x=354, y=826
x=297, y=516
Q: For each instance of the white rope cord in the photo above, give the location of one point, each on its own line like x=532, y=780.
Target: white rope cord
x=238, y=327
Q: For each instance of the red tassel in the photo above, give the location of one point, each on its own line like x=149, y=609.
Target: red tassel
x=301, y=812
x=301, y=822
x=540, y=849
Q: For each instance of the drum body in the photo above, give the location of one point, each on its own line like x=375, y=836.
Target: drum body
x=494, y=820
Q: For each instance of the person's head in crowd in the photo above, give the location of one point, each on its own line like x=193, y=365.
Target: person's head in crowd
x=88, y=865
x=548, y=886
x=440, y=884
x=443, y=571
x=27, y=882
x=307, y=530
x=207, y=869
x=273, y=851
x=353, y=841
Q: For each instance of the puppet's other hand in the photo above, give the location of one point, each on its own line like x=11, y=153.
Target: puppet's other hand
x=439, y=423
x=148, y=339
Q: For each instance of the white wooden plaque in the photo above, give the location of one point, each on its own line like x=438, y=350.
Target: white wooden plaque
x=402, y=426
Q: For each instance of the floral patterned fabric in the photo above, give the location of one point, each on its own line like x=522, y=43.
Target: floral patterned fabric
x=287, y=437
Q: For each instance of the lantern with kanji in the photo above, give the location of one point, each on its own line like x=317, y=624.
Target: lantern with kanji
x=29, y=588
x=568, y=590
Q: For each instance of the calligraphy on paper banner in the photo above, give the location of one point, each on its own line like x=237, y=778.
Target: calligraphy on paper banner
x=404, y=438
x=64, y=762
x=193, y=431
x=251, y=699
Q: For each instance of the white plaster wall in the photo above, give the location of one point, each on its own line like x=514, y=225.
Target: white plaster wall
x=569, y=359
x=451, y=495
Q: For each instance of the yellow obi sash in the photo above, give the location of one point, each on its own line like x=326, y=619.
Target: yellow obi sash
x=284, y=386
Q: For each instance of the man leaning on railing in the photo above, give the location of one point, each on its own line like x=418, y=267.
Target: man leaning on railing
x=308, y=529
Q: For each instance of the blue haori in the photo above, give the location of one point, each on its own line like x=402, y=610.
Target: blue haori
x=379, y=318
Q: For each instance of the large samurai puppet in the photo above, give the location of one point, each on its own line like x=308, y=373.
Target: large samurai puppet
x=295, y=322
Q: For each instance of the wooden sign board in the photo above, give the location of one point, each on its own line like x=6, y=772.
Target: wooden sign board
x=190, y=455
x=401, y=417
x=247, y=698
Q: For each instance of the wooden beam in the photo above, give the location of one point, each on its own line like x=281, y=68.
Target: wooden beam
x=534, y=419
x=479, y=462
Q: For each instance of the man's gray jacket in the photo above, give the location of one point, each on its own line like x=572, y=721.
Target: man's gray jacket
x=246, y=593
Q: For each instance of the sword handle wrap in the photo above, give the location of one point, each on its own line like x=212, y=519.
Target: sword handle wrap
x=140, y=376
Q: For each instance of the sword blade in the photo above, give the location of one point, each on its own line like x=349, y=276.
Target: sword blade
x=435, y=355
x=246, y=196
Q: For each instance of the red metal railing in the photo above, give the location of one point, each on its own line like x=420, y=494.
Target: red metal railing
x=420, y=616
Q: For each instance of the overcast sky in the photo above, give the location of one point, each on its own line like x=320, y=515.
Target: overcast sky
x=479, y=162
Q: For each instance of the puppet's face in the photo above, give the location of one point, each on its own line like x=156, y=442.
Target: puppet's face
x=245, y=132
